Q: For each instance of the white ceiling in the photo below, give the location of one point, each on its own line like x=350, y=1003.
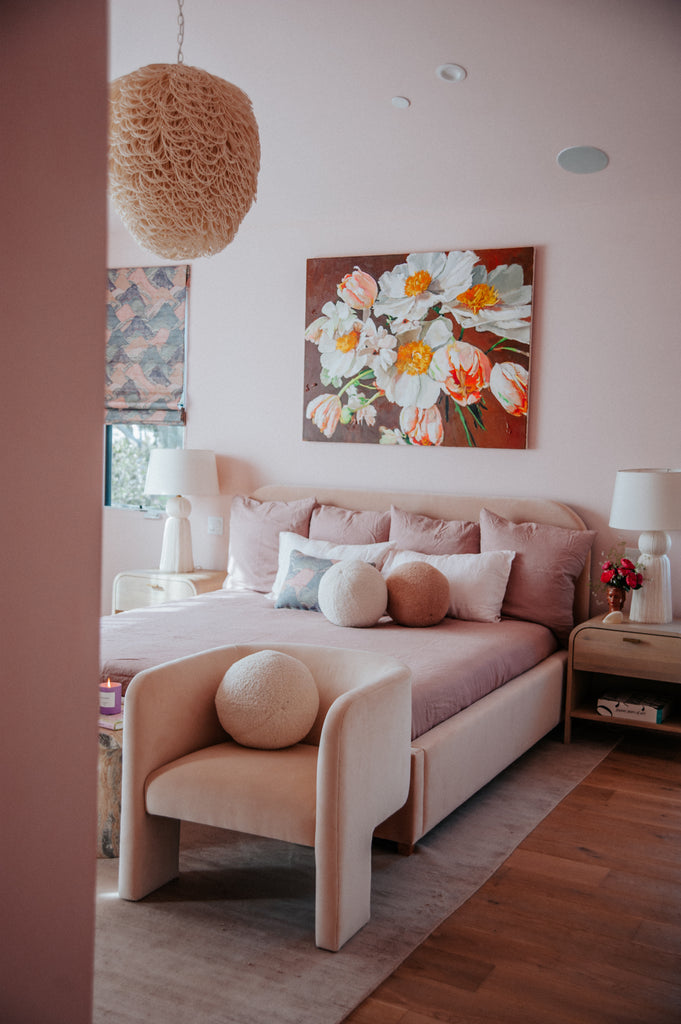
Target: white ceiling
x=542, y=75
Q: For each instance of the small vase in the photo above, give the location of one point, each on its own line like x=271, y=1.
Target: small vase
x=616, y=598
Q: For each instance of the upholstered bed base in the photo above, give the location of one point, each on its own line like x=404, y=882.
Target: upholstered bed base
x=456, y=758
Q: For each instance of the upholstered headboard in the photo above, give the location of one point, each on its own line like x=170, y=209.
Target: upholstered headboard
x=447, y=506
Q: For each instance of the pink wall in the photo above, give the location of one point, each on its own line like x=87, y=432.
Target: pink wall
x=343, y=172
x=52, y=125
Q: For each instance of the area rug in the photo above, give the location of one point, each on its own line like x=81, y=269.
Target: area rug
x=232, y=940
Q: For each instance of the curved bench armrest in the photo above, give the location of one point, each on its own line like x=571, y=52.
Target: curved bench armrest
x=362, y=778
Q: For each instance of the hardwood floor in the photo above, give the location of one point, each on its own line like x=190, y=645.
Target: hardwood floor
x=581, y=925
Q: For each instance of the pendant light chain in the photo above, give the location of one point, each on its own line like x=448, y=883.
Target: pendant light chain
x=180, y=31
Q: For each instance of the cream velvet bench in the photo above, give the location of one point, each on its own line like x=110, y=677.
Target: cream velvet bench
x=329, y=792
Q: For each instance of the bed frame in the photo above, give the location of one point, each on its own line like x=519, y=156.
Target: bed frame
x=456, y=758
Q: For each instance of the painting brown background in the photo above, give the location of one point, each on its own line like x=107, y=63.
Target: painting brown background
x=500, y=430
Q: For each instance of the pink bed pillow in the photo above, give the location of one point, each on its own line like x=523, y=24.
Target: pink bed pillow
x=254, y=528
x=541, y=587
x=412, y=532
x=346, y=526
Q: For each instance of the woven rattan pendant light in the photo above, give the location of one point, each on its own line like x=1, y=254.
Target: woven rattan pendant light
x=184, y=156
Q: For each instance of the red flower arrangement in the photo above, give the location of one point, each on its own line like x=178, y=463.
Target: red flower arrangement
x=623, y=575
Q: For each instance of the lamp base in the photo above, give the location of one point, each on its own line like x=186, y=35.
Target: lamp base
x=176, y=552
x=653, y=602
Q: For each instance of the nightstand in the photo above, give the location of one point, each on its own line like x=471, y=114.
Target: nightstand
x=109, y=771
x=142, y=588
x=639, y=657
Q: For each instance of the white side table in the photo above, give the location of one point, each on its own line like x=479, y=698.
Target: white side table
x=142, y=588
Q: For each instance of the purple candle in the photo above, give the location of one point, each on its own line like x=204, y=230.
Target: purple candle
x=110, y=698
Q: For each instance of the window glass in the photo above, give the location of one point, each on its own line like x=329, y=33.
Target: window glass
x=127, y=456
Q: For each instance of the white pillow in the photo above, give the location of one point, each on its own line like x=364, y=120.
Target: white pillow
x=353, y=593
x=477, y=583
x=267, y=700
x=288, y=542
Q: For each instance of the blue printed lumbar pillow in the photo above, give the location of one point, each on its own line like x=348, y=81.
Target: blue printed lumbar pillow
x=301, y=586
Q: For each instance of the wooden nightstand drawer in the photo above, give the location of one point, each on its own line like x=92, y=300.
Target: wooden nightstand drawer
x=621, y=652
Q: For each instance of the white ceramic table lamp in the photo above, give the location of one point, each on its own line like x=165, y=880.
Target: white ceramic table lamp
x=176, y=472
x=649, y=501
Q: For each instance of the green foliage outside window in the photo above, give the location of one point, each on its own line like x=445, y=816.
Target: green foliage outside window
x=131, y=444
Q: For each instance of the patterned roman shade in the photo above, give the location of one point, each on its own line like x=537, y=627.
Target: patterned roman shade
x=145, y=344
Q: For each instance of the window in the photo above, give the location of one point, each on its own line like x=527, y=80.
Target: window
x=127, y=456
x=145, y=374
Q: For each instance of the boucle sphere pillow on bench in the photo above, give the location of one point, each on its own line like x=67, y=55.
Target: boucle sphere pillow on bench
x=418, y=594
x=267, y=700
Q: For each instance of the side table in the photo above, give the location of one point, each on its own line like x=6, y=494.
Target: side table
x=645, y=657
x=141, y=588
x=109, y=771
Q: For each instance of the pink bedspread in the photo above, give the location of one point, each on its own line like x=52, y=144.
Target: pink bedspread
x=453, y=664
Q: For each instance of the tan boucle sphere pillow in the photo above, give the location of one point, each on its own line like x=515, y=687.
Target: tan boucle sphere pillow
x=418, y=594
x=267, y=700
x=352, y=593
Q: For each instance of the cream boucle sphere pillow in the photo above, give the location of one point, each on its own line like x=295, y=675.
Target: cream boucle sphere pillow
x=267, y=700
x=418, y=594
x=352, y=593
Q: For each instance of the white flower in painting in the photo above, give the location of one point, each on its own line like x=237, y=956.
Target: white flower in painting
x=336, y=318
x=423, y=426
x=362, y=409
x=341, y=355
x=409, y=380
x=358, y=289
x=367, y=414
x=389, y=436
x=325, y=413
x=379, y=345
x=337, y=335
x=410, y=290
x=509, y=383
x=463, y=370
x=497, y=301
x=314, y=332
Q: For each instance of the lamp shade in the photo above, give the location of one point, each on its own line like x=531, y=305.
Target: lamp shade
x=181, y=471
x=647, y=499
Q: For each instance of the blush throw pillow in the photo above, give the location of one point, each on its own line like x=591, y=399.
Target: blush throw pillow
x=477, y=583
x=301, y=585
x=548, y=561
x=254, y=528
x=288, y=542
x=418, y=594
x=346, y=526
x=413, y=532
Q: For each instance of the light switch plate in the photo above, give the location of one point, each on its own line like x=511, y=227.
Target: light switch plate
x=216, y=525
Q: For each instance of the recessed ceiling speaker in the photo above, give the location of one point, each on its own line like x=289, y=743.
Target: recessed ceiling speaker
x=582, y=159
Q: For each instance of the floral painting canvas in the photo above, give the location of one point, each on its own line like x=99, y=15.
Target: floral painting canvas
x=419, y=349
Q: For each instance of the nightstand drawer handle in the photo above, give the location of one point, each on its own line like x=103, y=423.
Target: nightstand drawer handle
x=631, y=640
x=155, y=586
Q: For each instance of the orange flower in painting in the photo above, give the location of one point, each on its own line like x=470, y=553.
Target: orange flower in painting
x=508, y=383
x=325, y=411
x=463, y=370
x=422, y=426
x=358, y=290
